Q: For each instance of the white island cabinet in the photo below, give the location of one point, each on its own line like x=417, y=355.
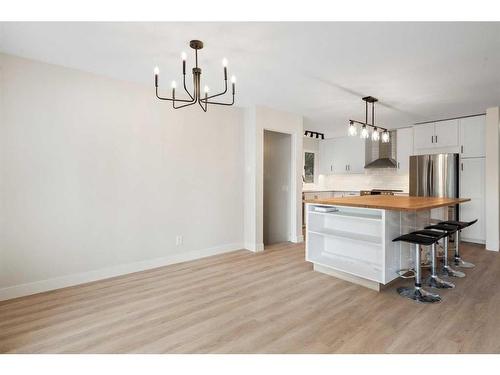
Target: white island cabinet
x=352, y=237
x=356, y=242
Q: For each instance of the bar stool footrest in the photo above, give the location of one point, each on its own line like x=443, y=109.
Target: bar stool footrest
x=459, y=262
x=418, y=294
x=438, y=283
x=450, y=272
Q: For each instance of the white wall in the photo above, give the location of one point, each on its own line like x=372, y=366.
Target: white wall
x=492, y=172
x=277, y=181
x=97, y=178
x=258, y=119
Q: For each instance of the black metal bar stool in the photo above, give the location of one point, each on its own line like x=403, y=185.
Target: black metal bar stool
x=434, y=281
x=450, y=230
x=417, y=293
x=457, y=260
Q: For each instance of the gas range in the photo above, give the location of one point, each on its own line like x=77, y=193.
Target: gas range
x=380, y=192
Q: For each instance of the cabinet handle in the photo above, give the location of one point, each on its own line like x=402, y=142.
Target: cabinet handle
x=462, y=149
x=398, y=165
x=331, y=168
x=462, y=166
x=432, y=139
x=436, y=139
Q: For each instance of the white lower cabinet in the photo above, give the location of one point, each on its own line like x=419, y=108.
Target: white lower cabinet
x=472, y=179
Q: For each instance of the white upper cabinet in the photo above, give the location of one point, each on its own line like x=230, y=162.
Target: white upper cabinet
x=423, y=136
x=440, y=136
x=342, y=155
x=472, y=131
x=446, y=133
x=355, y=155
x=326, y=156
x=404, y=146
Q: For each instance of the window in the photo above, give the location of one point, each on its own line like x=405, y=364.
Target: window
x=309, y=167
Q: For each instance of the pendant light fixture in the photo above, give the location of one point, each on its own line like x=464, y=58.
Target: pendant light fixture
x=203, y=99
x=365, y=133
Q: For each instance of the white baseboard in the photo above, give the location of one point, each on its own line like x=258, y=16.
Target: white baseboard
x=297, y=239
x=105, y=273
x=255, y=247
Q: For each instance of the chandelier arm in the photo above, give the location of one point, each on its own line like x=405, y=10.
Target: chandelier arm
x=219, y=103
x=184, y=105
x=171, y=99
x=193, y=99
x=201, y=105
x=222, y=93
x=185, y=88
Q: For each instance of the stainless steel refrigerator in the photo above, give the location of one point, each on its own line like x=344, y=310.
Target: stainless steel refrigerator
x=435, y=176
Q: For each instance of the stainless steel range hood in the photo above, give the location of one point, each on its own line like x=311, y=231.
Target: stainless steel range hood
x=381, y=155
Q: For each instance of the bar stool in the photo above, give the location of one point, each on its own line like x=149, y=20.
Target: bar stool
x=457, y=260
x=417, y=293
x=450, y=230
x=434, y=281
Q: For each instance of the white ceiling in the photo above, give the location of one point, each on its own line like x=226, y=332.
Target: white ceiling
x=419, y=71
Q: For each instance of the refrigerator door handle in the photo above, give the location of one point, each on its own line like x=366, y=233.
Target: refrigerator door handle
x=430, y=178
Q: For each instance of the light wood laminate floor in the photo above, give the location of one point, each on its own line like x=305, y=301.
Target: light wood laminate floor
x=241, y=302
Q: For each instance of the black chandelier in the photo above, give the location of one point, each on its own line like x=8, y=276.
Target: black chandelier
x=364, y=134
x=196, y=95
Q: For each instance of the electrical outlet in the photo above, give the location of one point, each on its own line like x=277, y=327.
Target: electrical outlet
x=178, y=240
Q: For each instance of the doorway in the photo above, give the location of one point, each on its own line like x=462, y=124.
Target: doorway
x=277, y=185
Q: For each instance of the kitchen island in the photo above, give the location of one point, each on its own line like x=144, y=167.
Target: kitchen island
x=351, y=237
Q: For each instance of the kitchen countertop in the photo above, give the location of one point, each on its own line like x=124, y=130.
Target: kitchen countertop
x=390, y=202
x=326, y=190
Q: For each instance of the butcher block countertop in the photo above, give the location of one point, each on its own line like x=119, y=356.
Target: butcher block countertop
x=390, y=202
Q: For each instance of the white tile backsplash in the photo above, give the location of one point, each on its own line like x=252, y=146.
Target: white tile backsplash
x=371, y=179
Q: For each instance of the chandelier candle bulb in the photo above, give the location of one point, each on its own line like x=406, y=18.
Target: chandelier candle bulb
x=385, y=137
x=233, y=82
x=156, y=72
x=224, y=64
x=352, y=129
x=364, y=132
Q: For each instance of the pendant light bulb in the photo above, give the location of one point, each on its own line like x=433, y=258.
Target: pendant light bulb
x=206, y=89
x=156, y=70
x=353, y=131
x=174, y=84
x=386, y=137
x=375, y=135
x=233, y=79
x=224, y=62
x=364, y=132
x=183, y=56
